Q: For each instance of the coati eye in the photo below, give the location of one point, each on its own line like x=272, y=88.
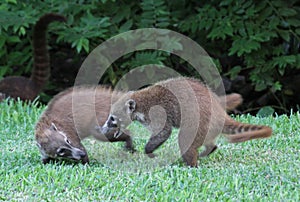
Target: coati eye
x=68, y=141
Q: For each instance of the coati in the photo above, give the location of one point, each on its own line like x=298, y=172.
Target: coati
x=29, y=88
x=71, y=116
x=185, y=103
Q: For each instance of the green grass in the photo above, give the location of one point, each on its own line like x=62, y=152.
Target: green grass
x=259, y=170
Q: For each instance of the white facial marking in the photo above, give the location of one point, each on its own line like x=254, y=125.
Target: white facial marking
x=140, y=116
x=105, y=125
x=65, y=137
x=115, y=120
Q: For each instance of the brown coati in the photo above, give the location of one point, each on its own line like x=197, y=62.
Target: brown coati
x=71, y=116
x=184, y=103
x=29, y=88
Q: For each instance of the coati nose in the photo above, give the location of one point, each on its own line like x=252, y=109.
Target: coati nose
x=82, y=154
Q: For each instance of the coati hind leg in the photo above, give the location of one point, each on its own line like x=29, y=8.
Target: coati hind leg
x=156, y=140
x=210, y=148
x=190, y=156
x=188, y=149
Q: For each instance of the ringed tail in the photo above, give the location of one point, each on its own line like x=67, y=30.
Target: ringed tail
x=41, y=68
x=240, y=132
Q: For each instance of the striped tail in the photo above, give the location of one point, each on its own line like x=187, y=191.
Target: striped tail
x=41, y=69
x=240, y=132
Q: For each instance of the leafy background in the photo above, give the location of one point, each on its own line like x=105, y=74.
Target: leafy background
x=255, y=44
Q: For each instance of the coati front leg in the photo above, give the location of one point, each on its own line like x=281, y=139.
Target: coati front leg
x=156, y=140
x=114, y=135
x=124, y=137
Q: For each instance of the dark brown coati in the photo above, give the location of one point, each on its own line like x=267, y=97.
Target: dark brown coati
x=184, y=103
x=29, y=88
x=71, y=116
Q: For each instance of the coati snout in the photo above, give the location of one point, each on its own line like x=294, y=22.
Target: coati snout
x=56, y=144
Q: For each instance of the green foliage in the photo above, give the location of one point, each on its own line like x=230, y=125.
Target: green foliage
x=263, y=36
x=265, y=111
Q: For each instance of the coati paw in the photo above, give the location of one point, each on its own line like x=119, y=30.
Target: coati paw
x=130, y=149
x=208, y=150
x=129, y=146
x=85, y=160
x=47, y=160
x=151, y=155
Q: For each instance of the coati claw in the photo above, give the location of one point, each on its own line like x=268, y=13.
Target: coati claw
x=151, y=155
x=117, y=134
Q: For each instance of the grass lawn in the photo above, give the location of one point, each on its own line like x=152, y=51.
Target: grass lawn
x=259, y=170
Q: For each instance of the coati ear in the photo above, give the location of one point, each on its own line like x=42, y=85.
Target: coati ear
x=53, y=127
x=130, y=104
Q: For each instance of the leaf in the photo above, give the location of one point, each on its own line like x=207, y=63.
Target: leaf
x=13, y=39
x=126, y=26
x=286, y=12
x=12, y=1
x=297, y=65
x=260, y=86
x=2, y=41
x=22, y=31
x=266, y=111
x=284, y=34
x=241, y=46
x=234, y=72
x=281, y=70
x=85, y=44
x=265, y=14
x=293, y=22
x=121, y=15
x=283, y=61
x=3, y=70
x=225, y=2
x=276, y=86
x=81, y=43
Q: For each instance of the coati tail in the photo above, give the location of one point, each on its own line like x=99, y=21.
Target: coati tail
x=240, y=132
x=41, y=69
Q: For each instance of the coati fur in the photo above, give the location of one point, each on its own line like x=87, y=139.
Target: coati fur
x=185, y=103
x=231, y=101
x=29, y=88
x=72, y=116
